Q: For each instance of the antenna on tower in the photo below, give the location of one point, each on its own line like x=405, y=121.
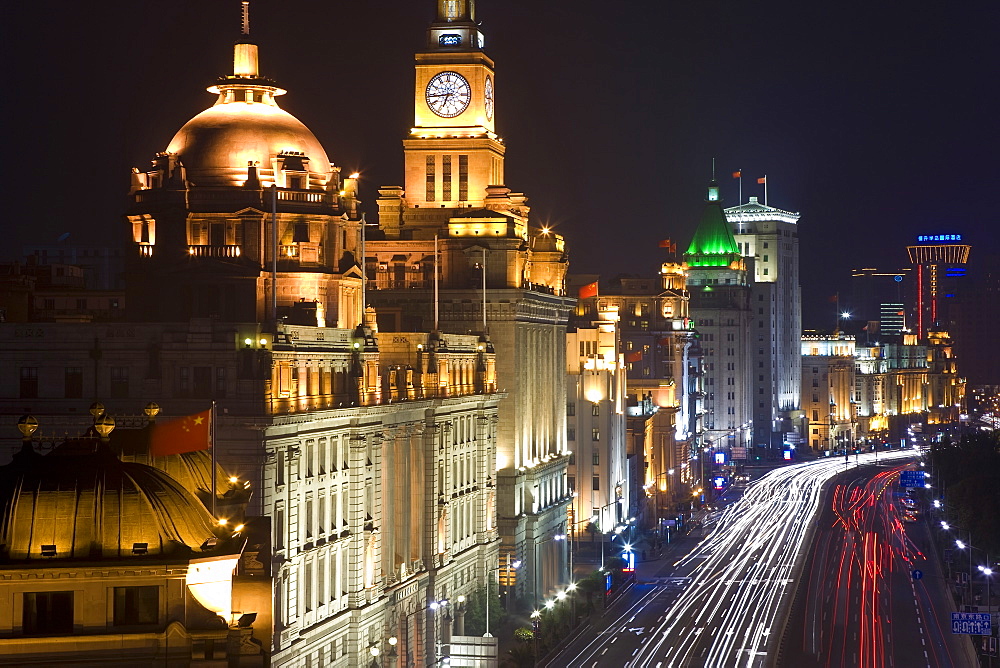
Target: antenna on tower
x=245, y=18
x=713, y=169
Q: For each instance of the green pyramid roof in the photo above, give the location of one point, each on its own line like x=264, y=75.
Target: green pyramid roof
x=713, y=244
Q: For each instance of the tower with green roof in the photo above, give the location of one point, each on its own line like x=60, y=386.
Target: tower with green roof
x=718, y=281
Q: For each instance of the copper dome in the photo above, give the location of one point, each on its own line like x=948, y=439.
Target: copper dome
x=82, y=502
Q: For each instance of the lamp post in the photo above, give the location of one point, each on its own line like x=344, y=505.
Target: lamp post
x=442, y=604
x=489, y=581
x=988, y=573
x=534, y=574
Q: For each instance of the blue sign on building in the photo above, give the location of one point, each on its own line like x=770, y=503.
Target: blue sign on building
x=911, y=479
x=971, y=623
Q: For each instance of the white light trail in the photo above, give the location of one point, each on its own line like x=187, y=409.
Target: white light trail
x=745, y=576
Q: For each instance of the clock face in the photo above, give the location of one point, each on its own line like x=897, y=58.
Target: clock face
x=448, y=94
x=488, y=95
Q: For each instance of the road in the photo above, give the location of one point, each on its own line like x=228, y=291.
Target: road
x=860, y=605
x=723, y=603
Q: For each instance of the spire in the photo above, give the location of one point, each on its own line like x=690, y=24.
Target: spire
x=245, y=51
x=713, y=244
x=245, y=84
x=454, y=28
x=452, y=11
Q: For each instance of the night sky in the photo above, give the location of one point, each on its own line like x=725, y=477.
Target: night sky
x=875, y=120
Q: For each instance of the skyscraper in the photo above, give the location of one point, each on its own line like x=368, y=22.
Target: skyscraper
x=939, y=263
x=721, y=307
x=770, y=236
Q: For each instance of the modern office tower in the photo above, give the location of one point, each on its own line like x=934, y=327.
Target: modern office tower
x=455, y=250
x=828, y=373
x=939, y=264
x=722, y=308
x=882, y=296
x=770, y=236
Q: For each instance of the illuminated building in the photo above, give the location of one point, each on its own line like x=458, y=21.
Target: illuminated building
x=770, y=236
x=595, y=419
x=455, y=231
x=115, y=562
x=718, y=282
x=372, y=453
x=939, y=262
x=243, y=216
x=828, y=376
x=658, y=351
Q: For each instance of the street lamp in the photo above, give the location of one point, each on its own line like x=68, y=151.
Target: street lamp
x=442, y=604
x=489, y=580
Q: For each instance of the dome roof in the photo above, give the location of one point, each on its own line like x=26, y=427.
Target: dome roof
x=80, y=501
x=216, y=145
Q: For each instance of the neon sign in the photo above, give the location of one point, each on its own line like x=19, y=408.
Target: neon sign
x=939, y=237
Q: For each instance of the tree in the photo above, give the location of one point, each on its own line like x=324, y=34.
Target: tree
x=475, y=612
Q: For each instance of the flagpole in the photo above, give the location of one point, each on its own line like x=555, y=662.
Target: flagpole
x=765, y=190
x=214, y=460
x=741, y=186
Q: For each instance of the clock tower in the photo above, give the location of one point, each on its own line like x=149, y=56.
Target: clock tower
x=452, y=153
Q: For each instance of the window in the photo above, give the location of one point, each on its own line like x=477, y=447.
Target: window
x=570, y=434
x=29, y=382
x=119, y=382
x=595, y=435
x=463, y=177
x=570, y=409
x=596, y=459
x=595, y=409
x=571, y=481
x=47, y=613
x=429, y=187
x=815, y=416
x=446, y=178
x=73, y=382
x=203, y=382
x=279, y=528
x=309, y=518
x=183, y=381
x=597, y=483
x=572, y=459
x=220, y=382
x=135, y=606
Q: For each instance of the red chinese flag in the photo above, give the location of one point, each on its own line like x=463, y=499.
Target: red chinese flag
x=665, y=243
x=186, y=434
x=589, y=290
x=762, y=180
x=737, y=175
x=633, y=356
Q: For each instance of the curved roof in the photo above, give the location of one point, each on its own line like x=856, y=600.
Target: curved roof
x=88, y=504
x=713, y=244
x=216, y=145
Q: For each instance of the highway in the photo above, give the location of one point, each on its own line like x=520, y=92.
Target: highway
x=724, y=602
x=860, y=605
